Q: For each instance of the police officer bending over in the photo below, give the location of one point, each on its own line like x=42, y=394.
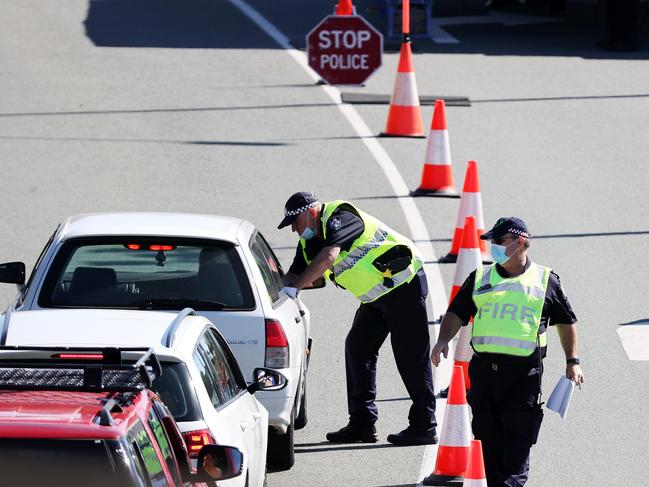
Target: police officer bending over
x=383, y=270
x=512, y=302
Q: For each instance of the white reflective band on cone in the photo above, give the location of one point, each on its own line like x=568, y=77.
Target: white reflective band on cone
x=474, y=483
x=470, y=205
x=438, y=150
x=405, y=90
x=468, y=260
x=456, y=430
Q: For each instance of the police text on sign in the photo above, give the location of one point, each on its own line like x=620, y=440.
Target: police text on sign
x=344, y=49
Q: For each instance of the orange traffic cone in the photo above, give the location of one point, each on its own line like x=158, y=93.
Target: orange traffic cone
x=404, y=118
x=468, y=261
x=345, y=7
x=437, y=176
x=470, y=205
x=455, y=440
x=475, y=473
x=469, y=257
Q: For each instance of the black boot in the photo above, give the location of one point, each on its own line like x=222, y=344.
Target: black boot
x=354, y=434
x=413, y=436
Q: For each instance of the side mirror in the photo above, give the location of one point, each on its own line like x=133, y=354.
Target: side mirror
x=12, y=272
x=264, y=379
x=218, y=462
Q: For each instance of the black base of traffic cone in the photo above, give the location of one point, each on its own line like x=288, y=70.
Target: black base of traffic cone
x=433, y=479
x=443, y=193
x=448, y=259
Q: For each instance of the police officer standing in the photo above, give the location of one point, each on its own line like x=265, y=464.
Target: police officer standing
x=512, y=303
x=383, y=270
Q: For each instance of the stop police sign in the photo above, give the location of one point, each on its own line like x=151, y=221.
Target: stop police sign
x=344, y=50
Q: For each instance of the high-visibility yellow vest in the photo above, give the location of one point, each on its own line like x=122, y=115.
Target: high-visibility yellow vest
x=509, y=310
x=353, y=269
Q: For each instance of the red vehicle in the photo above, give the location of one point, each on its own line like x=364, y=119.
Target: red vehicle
x=69, y=422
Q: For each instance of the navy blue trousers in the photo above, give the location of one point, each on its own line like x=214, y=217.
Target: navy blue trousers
x=401, y=314
x=506, y=418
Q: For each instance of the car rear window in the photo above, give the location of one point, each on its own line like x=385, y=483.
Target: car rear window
x=177, y=392
x=73, y=463
x=147, y=273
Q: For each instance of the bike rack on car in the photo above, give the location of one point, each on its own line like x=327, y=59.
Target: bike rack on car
x=92, y=369
x=88, y=369
x=168, y=338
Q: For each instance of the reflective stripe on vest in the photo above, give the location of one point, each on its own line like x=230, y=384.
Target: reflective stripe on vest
x=358, y=253
x=509, y=311
x=353, y=269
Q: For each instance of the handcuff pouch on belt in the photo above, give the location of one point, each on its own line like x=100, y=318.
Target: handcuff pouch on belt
x=395, y=260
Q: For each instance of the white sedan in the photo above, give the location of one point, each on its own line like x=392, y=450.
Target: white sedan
x=220, y=266
x=200, y=383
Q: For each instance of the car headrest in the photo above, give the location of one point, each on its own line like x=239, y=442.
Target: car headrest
x=88, y=279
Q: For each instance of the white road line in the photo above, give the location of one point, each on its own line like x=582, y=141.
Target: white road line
x=418, y=230
x=635, y=340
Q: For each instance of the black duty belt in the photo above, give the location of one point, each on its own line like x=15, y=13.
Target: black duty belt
x=499, y=367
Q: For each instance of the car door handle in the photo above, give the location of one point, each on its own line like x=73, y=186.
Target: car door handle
x=244, y=426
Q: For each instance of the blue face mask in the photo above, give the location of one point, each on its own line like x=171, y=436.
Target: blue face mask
x=498, y=252
x=308, y=233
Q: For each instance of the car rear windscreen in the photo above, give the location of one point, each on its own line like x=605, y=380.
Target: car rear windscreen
x=175, y=388
x=57, y=462
x=139, y=273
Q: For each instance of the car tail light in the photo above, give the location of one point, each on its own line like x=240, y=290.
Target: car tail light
x=276, y=345
x=161, y=247
x=156, y=247
x=79, y=356
x=195, y=440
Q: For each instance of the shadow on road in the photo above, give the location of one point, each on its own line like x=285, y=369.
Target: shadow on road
x=346, y=447
x=166, y=110
x=393, y=399
x=148, y=141
x=211, y=24
x=644, y=321
x=170, y=24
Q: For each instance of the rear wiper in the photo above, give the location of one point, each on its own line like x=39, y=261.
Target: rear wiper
x=177, y=303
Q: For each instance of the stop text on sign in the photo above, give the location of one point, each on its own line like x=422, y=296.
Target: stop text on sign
x=348, y=39
x=344, y=49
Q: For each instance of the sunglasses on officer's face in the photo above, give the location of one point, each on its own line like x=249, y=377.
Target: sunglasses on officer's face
x=500, y=240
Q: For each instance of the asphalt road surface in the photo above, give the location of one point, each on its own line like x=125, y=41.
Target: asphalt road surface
x=191, y=106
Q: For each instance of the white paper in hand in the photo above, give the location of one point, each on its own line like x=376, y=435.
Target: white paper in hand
x=559, y=400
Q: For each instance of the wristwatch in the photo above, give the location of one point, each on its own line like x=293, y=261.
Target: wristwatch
x=572, y=361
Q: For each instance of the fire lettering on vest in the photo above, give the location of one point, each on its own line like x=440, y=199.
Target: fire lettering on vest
x=501, y=311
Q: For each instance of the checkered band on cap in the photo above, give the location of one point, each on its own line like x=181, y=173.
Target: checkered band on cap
x=519, y=232
x=299, y=210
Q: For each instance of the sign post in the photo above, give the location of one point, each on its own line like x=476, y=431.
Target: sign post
x=344, y=50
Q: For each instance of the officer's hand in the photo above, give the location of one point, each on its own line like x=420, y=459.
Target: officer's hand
x=291, y=291
x=439, y=349
x=574, y=373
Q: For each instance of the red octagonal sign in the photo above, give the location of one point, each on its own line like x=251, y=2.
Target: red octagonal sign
x=344, y=50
